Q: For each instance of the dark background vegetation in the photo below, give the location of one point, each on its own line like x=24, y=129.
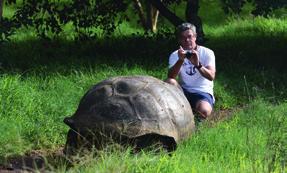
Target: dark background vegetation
x=94, y=22
x=246, y=51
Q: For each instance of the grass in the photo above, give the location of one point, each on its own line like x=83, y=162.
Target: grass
x=240, y=144
x=34, y=105
x=41, y=82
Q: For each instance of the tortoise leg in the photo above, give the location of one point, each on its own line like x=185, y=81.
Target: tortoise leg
x=154, y=142
x=72, y=143
x=168, y=143
x=76, y=142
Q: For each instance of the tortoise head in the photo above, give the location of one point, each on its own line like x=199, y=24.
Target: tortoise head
x=70, y=122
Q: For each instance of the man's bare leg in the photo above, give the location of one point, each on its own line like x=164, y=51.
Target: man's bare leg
x=203, y=108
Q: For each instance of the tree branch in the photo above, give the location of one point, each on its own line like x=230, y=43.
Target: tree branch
x=191, y=14
x=139, y=8
x=152, y=16
x=1, y=9
x=170, y=16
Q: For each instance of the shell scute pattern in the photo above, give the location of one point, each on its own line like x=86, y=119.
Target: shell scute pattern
x=132, y=107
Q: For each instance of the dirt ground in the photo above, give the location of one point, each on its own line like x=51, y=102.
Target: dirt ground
x=30, y=162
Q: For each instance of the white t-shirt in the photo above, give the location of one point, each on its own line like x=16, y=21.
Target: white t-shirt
x=189, y=77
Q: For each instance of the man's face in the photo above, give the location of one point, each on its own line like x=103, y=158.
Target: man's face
x=187, y=40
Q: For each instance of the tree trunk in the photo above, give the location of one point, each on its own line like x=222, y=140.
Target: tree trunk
x=164, y=11
x=152, y=16
x=140, y=10
x=191, y=14
x=150, y=21
x=1, y=9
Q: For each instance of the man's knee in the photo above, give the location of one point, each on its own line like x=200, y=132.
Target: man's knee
x=171, y=81
x=204, y=109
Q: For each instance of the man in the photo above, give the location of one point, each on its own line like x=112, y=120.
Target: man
x=195, y=67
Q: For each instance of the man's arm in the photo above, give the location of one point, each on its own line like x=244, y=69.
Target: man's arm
x=208, y=72
x=173, y=71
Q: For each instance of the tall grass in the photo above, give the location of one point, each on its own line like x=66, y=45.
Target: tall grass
x=42, y=82
x=33, y=106
x=254, y=140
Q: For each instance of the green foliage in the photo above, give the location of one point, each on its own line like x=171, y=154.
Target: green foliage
x=90, y=19
x=212, y=8
x=262, y=7
x=48, y=18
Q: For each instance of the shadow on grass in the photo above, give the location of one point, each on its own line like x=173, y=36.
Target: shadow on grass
x=260, y=51
x=33, y=54
x=36, y=162
x=243, y=62
x=267, y=52
x=251, y=66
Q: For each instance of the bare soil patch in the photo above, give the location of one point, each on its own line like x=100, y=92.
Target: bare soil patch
x=35, y=161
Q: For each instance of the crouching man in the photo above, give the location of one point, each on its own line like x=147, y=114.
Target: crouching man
x=194, y=65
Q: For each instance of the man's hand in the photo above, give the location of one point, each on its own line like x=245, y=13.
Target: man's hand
x=181, y=53
x=194, y=59
x=173, y=71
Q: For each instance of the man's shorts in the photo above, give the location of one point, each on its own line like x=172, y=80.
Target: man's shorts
x=193, y=98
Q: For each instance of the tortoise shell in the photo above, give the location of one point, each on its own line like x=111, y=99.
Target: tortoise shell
x=130, y=107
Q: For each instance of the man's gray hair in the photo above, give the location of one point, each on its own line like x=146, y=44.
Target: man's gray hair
x=183, y=27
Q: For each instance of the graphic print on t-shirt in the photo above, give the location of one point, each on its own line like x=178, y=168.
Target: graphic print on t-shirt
x=189, y=68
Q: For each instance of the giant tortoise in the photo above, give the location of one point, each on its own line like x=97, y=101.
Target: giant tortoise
x=137, y=110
